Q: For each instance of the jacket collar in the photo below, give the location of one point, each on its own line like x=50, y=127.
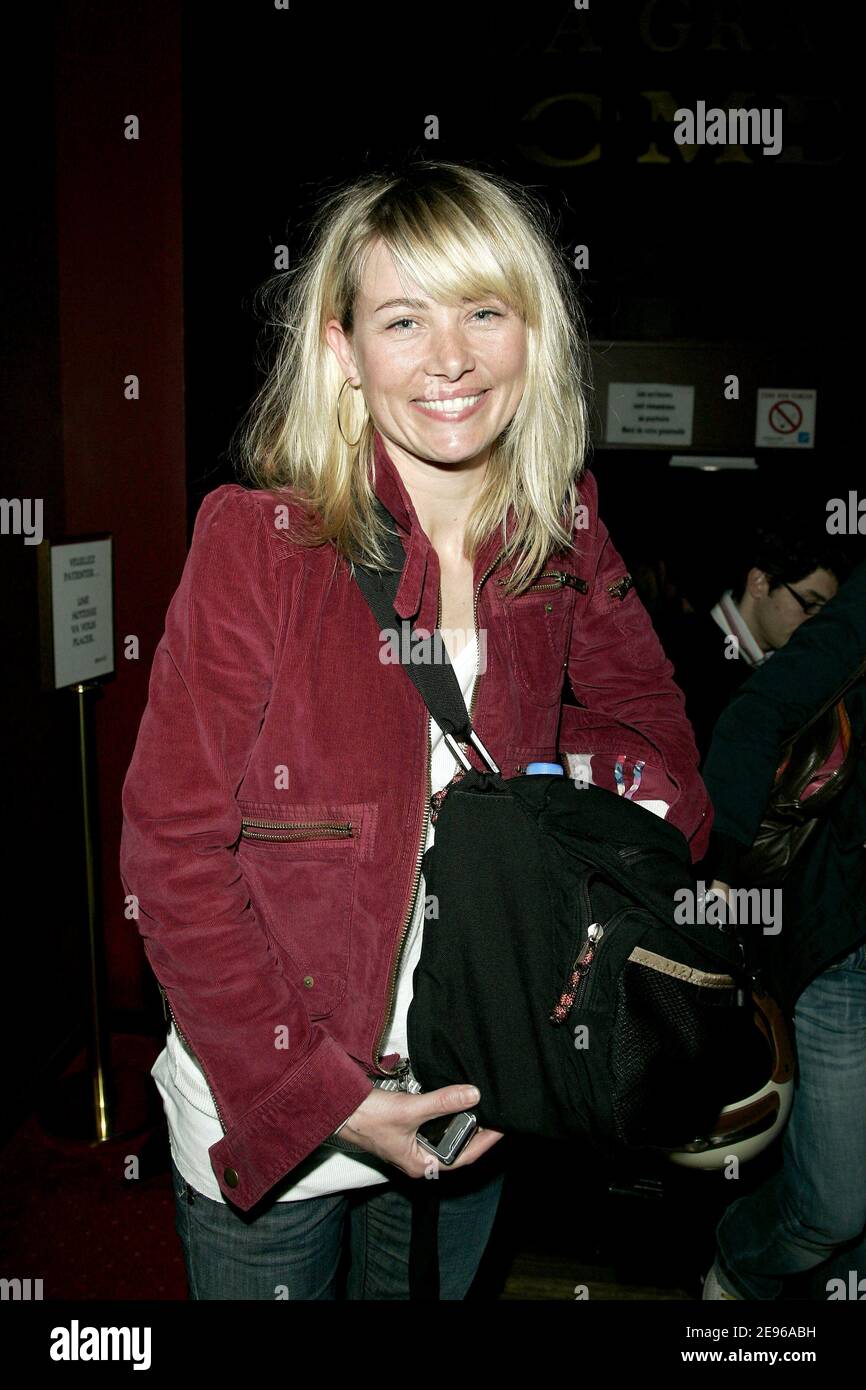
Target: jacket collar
x=390, y=488
x=729, y=618
x=391, y=491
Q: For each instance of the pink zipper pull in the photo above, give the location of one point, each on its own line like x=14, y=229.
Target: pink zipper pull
x=565, y=1003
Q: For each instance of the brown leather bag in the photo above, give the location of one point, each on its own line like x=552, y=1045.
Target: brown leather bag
x=789, y=821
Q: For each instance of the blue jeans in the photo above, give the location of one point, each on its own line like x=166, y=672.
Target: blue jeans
x=292, y=1250
x=814, y=1209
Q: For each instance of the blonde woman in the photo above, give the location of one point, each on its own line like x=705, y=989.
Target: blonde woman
x=277, y=805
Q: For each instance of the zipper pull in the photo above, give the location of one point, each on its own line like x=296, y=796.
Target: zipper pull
x=574, y=582
x=401, y=1074
x=579, y=972
x=620, y=587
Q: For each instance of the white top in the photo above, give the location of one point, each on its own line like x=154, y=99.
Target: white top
x=193, y=1123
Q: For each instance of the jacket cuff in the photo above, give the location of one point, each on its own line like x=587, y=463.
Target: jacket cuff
x=286, y=1127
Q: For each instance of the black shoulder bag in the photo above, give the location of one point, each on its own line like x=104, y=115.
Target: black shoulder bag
x=556, y=976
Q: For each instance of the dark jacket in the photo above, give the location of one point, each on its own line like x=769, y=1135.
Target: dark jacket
x=707, y=677
x=275, y=809
x=823, y=903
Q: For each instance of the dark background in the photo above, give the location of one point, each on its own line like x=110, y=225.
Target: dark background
x=145, y=256
x=733, y=266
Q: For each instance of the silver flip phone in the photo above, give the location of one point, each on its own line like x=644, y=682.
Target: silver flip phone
x=447, y=1135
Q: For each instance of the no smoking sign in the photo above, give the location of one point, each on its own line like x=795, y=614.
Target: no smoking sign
x=785, y=420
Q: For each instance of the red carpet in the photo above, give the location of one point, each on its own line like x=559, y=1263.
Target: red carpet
x=70, y=1217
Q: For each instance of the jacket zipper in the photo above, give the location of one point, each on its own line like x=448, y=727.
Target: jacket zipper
x=170, y=1014
x=560, y=578
x=400, y=1078
x=487, y=572
x=576, y=983
x=555, y=579
x=297, y=830
x=620, y=587
x=428, y=803
x=403, y=1064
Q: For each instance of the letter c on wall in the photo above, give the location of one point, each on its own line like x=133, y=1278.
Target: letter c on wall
x=540, y=156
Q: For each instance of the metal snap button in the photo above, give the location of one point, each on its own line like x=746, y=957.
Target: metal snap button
x=231, y=1177
x=308, y=982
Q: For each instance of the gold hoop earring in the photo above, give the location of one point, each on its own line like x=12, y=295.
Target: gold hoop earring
x=340, y=427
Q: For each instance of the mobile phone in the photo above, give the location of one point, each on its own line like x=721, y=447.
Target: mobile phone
x=447, y=1135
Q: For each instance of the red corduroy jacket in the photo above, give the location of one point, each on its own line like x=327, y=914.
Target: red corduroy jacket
x=275, y=807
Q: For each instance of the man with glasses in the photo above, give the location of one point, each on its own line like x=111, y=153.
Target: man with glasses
x=788, y=577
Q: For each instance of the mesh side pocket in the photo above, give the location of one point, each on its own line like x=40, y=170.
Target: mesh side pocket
x=670, y=1050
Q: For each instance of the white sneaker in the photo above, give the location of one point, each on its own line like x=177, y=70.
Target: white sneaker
x=713, y=1288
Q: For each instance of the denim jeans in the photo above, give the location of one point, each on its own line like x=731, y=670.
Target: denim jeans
x=813, y=1210
x=292, y=1250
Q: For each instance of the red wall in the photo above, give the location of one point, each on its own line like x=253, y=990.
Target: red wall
x=120, y=296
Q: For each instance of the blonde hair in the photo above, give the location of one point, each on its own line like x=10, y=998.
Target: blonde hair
x=457, y=232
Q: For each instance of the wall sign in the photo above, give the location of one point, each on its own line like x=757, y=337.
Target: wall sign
x=785, y=419
x=649, y=413
x=76, y=610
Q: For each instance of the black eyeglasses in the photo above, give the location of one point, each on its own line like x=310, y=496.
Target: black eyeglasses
x=808, y=607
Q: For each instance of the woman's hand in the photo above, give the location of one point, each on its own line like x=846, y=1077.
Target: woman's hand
x=386, y=1123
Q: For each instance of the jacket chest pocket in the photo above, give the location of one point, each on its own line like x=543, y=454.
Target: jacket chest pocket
x=299, y=862
x=539, y=630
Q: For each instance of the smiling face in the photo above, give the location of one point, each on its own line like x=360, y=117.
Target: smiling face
x=441, y=382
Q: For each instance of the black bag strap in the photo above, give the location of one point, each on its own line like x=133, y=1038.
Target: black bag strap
x=431, y=670
x=441, y=693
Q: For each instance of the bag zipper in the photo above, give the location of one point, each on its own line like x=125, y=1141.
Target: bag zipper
x=576, y=983
x=296, y=830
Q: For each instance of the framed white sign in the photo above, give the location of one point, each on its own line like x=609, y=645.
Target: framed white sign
x=76, y=610
x=641, y=413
